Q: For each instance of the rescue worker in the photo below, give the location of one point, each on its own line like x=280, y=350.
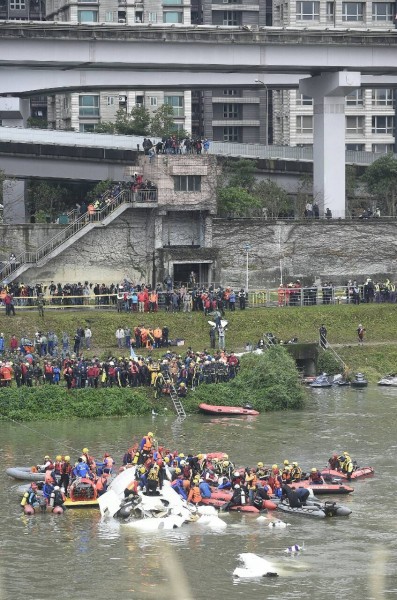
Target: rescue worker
x=88, y=459
x=102, y=484
x=250, y=483
x=152, y=480
x=66, y=469
x=238, y=498
x=146, y=444
x=346, y=464
x=260, y=471
x=315, y=476
x=205, y=489
x=292, y=496
x=58, y=498
x=108, y=463
x=30, y=496
x=261, y=494
x=286, y=475
x=178, y=487
x=333, y=463
x=195, y=494
x=81, y=469
x=296, y=472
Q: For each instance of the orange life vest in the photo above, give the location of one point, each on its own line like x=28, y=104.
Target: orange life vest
x=195, y=495
x=148, y=444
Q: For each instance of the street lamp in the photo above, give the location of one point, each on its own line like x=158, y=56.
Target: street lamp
x=267, y=109
x=247, y=248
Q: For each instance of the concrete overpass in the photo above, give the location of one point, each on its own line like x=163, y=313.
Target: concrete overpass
x=43, y=57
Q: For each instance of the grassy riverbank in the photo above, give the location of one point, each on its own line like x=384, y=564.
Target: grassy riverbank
x=377, y=357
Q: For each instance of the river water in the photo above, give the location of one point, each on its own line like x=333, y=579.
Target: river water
x=77, y=556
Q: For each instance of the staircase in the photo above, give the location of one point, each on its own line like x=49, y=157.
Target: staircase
x=73, y=232
x=180, y=411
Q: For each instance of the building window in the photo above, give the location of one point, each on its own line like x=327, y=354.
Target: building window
x=88, y=1
x=330, y=12
x=87, y=127
x=172, y=2
x=187, y=183
x=139, y=101
x=89, y=106
x=230, y=18
x=354, y=125
x=383, y=11
x=110, y=100
x=355, y=98
x=232, y=1
x=17, y=5
x=383, y=124
x=383, y=97
x=352, y=11
x=177, y=105
x=355, y=147
x=302, y=100
x=231, y=134
x=382, y=148
x=230, y=111
x=110, y=16
x=152, y=17
x=230, y=92
x=173, y=16
x=153, y=100
x=304, y=124
x=87, y=16
x=307, y=11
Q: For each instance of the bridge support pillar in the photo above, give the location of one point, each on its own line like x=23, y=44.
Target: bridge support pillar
x=328, y=91
x=14, y=201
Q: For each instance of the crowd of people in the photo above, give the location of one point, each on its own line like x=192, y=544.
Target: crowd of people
x=49, y=360
x=174, y=145
x=193, y=476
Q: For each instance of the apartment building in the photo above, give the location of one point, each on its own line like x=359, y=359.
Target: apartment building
x=237, y=115
x=370, y=114
x=83, y=111
x=22, y=10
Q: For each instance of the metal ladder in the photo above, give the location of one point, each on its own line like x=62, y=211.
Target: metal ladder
x=336, y=355
x=180, y=411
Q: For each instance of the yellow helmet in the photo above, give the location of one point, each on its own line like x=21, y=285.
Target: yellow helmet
x=150, y=434
x=274, y=467
x=225, y=463
x=346, y=454
x=47, y=457
x=58, y=457
x=286, y=462
x=260, y=464
x=225, y=457
x=314, y=470
x=85, y=450
x=177, y=471
x=166, y=459
x=200, y=456
x=294, y=464
x=67, y=458
x=181, y=455
x=142, y=470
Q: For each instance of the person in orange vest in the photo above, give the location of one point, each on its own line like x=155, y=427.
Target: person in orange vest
x=195, y=496
x=6, y=373
x=108, y=463
x=281, y=295
x=157, y=334
x=102, y=484
x=153, y=299
x=146, y=444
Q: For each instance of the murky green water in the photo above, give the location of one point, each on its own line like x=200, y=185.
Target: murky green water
x=79, y=557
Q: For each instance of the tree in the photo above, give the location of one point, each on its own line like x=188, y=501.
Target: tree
x=381, y=180
x=134, y=123
x=162, y=122
x=237, y=201
x=37, y=123
x=46, y=200
x=100, y=188
x=240, y=173
x=273, y=199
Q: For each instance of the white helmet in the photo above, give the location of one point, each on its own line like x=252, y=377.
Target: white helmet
x=237, y=487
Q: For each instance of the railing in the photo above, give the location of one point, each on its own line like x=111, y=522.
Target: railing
x=124, y=197
x=266, y=298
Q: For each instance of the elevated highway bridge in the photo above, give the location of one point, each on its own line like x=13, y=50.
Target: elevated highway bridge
x=326, y=64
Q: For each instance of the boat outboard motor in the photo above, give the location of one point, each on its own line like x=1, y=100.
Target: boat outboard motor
x=248, y=406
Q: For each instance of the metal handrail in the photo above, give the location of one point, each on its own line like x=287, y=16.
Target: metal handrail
x=124, y=197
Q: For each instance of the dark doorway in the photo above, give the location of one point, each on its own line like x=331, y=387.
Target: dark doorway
x=182, y=273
